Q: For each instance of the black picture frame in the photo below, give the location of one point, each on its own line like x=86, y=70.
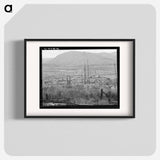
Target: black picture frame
x=25, y=76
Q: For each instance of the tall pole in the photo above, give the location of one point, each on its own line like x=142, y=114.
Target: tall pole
x=88, y=80
x=84, y=73
x=115, y=68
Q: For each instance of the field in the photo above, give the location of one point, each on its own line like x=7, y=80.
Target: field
x=78, y=85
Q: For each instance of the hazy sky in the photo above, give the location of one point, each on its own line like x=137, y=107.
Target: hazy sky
x=54, y=53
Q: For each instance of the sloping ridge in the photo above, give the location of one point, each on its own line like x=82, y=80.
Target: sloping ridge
x=73, y=58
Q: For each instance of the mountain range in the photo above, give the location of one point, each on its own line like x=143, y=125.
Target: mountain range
x=73, y=58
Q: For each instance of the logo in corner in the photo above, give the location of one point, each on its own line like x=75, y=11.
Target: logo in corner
x=8, y=8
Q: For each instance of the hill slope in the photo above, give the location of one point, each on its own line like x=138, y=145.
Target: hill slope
x=75, y=58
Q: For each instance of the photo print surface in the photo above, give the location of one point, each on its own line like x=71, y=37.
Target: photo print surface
x=79, y=77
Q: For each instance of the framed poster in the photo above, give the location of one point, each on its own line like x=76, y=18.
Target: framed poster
x=79, y=78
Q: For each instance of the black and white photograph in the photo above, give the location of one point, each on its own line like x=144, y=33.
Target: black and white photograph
x=79, y=77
